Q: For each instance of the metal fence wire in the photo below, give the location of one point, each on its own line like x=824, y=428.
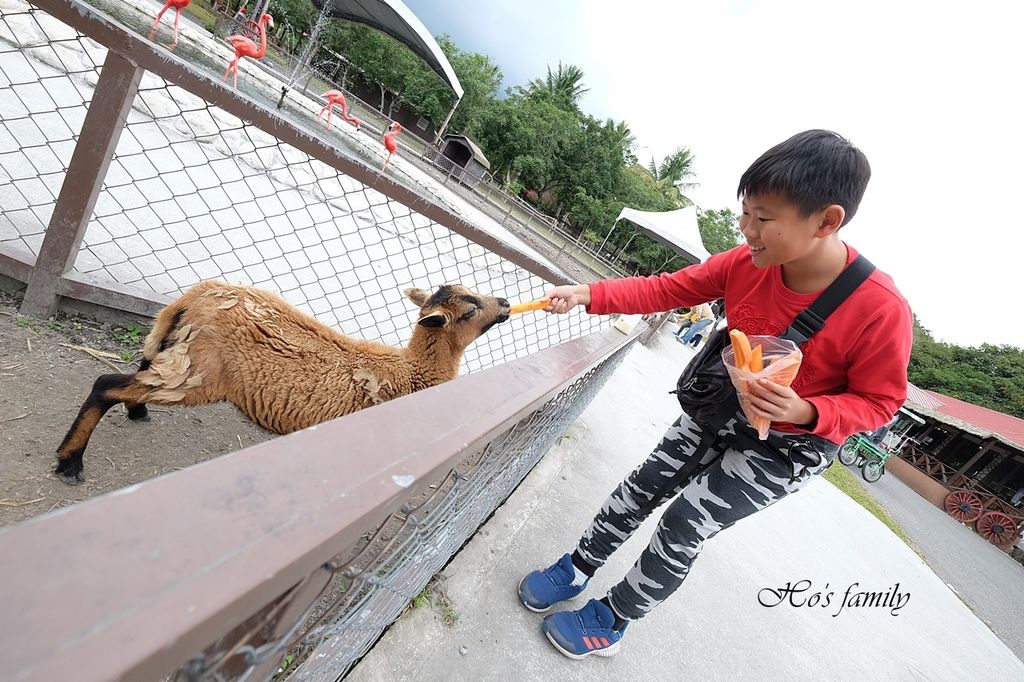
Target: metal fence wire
x=194, y=193
x=370, y=587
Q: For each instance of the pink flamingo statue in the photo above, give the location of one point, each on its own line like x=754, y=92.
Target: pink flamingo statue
x=336, y=97
x=178, y=5
x=390, y=143
x=244, y=47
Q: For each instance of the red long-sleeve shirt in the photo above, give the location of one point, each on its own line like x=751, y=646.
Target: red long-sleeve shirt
x=854, y=370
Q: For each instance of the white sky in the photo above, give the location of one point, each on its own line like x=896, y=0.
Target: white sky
x=931, y=91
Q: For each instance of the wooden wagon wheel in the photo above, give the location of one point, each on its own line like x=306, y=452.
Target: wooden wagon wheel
x=997, y=528
x=964, y=506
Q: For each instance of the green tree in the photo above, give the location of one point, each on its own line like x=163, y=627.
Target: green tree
x=480, y=79
x=389, y=65
x=990, y=376
x=564, y=87
x=674, y=175
x=623, y=138
x=293, y=16
x=638, y=189
x=719, y=230
x=527, y=139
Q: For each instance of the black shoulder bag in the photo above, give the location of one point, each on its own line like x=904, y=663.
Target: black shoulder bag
x=704, y=389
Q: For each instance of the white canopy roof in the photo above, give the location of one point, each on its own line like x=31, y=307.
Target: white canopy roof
x=398, y=21
x=677, y=230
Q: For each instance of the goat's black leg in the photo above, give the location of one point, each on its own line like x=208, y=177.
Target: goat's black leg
x=137, y=412
x=106, y=392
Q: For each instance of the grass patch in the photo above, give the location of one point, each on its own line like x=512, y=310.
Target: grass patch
x=434, y=596
x=131, y=335
x=203, y=13
x=844, y=479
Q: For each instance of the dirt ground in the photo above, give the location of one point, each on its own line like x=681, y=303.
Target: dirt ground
x=43, y=384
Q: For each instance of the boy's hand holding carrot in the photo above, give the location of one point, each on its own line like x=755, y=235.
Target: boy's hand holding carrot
x=778, y=403
x=566, y=297
x=767, y=399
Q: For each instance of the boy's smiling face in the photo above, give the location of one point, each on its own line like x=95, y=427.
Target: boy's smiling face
x=777, y=234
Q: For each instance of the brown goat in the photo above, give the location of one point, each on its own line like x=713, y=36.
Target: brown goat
x=281, y=367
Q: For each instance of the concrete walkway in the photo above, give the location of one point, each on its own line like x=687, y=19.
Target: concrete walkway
x=987, y=579
x=713, y=628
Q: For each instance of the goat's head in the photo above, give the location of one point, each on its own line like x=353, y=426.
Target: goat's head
x=459, y=312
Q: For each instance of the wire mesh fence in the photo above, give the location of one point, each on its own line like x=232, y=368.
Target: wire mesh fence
x=45, y=87
x=371, y=584
x=194, y=193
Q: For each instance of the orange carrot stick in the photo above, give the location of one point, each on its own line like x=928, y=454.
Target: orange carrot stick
x=740, y=348
x=539, y=304
x=783, y=377
x=756, y=361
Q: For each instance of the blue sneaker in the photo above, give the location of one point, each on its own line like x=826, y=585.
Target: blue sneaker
x=578, y=634
x=540, y=590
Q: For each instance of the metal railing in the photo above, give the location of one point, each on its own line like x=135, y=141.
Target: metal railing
x=128, y=174
x=297, y=545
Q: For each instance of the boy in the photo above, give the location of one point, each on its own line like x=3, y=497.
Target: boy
x=853, y=377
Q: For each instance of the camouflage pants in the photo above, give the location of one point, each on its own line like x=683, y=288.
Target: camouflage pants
x=717, y=479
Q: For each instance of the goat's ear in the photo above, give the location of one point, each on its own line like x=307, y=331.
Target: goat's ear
x=433, y=320
x=417, y=296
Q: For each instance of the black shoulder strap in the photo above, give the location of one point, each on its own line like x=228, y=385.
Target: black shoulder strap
x=810, y=320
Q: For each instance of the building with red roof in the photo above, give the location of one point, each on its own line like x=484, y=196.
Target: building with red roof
x=969, y=448
x=1008, y=427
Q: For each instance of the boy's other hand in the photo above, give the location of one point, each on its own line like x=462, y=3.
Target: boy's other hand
x=566, y=297
x=780, y=403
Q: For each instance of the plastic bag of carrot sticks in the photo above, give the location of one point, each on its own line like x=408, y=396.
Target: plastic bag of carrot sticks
x=748, y=359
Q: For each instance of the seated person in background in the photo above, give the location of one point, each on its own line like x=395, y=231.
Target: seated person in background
x=700, y=317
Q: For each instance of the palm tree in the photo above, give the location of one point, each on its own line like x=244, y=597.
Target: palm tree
x=672, y=175
x=565, y=86
x=623, y=136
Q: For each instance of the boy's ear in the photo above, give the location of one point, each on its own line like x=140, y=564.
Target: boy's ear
x=832, y=218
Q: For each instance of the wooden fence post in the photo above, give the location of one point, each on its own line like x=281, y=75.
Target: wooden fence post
x=115, y=91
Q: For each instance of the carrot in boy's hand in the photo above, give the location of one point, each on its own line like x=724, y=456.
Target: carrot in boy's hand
x=741, y=348
x=783, y=377
x=753, y=361
x=756, y=359
x=539, y=304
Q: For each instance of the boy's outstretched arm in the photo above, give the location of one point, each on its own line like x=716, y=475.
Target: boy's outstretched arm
x=687, y=287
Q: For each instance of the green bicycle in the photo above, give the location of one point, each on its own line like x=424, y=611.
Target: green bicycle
x=869, y=451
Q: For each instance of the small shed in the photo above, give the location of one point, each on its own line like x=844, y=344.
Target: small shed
x=464, y=153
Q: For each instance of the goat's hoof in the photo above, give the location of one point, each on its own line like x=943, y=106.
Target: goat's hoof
x=142, y=416
x=70, y=469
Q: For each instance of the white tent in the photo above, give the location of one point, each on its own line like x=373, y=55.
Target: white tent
x=677, y=230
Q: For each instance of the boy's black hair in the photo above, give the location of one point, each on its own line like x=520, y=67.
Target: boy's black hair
x=815, y=169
